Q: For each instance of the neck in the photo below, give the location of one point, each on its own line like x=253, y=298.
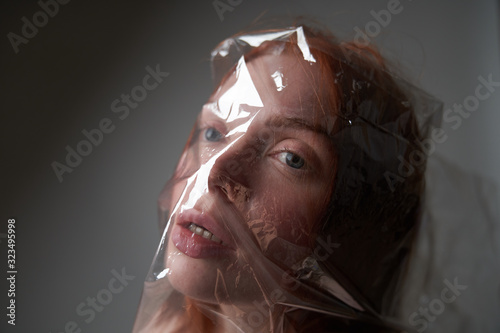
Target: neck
x=254, y=318
x=225, y=318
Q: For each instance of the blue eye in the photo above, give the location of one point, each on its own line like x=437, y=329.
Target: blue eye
x=291, y=159
x=211, y=134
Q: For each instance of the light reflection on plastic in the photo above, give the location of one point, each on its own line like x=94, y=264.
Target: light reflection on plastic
x=255, y=41
x=163, y=273
x=243, y=90
x=242, y=128
x=278, y=80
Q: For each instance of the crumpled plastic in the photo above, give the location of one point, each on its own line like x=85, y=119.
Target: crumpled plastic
x=296, y=203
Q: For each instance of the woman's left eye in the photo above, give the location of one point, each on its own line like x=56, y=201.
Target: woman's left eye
x=211, y=134
x=291, y=159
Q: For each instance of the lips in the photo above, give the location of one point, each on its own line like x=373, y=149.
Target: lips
x=198, y=236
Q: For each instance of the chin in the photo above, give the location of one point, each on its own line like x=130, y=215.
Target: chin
x=194, y=278
x=214, y=281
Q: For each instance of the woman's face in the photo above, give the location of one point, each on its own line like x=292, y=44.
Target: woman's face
x=252, y=183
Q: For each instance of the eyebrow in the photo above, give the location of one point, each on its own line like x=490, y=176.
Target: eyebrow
x=297, y=123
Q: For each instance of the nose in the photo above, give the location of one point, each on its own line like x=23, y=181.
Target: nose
x=233, y=169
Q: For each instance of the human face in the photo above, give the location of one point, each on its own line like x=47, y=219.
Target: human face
x=255, y=178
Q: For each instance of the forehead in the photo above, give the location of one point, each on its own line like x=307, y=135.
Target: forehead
x=274, y=84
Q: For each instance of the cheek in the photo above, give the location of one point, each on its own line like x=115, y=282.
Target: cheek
x=292, y=210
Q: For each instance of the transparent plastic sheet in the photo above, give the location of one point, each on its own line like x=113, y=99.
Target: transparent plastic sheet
x=296, y=202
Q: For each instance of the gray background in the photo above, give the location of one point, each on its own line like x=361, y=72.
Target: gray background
x=70, y=235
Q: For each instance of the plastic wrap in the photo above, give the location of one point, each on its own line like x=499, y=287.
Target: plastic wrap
x=297, y=199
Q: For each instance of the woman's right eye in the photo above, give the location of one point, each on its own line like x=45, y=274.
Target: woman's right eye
x=213, y=135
